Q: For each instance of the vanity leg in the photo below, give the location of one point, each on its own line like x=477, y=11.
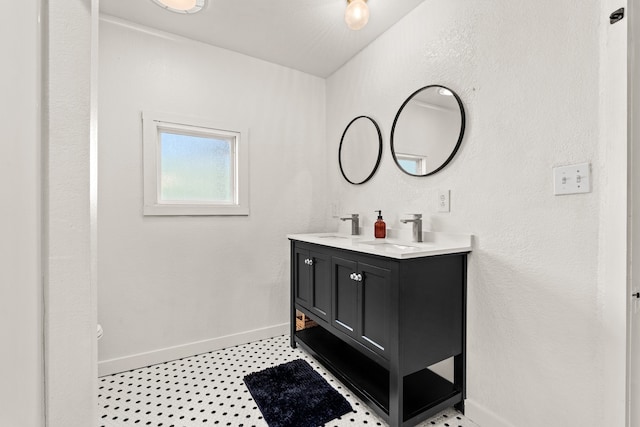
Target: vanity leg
x=460, y=361
x=396, y=398
x=460, y=378
x=292, y=333
x=292, y=302
x=396, y=378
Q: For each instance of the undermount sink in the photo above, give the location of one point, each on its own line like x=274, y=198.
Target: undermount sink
x=335, y=236
x=390, y=245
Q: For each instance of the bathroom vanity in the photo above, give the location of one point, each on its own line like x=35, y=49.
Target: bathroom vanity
x=386, y=310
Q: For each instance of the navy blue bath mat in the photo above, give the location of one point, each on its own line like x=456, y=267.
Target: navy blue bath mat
x=294, y=395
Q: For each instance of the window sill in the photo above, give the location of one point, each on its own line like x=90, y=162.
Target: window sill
x=195, y=210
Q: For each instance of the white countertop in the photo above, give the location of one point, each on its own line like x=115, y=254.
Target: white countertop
x=434, y=243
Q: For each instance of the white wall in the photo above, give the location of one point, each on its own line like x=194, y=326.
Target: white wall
x=70, y=347
x=528, y=74
x=173, y=286
x=21, y=319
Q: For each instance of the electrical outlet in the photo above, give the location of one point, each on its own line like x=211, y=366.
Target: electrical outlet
x=444, y=200
x=572, y=179
x=335, y=210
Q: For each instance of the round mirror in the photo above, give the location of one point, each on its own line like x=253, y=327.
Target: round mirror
x=360, y=150
x=427, y=130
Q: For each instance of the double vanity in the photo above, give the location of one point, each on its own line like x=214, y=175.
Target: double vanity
x=386, y=310
x=389, y=309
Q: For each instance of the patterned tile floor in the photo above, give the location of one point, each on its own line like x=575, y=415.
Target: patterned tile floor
x=207, y=390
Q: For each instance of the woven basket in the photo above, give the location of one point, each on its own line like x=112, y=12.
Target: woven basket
x=303, y=321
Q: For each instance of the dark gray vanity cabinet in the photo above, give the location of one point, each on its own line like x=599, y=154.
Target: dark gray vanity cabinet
x=382, y=322
x=312, y=280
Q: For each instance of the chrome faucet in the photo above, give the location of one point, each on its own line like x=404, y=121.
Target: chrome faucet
x=355, y=223
x=417, y=226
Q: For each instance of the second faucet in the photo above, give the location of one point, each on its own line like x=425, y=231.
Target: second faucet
x=417, y=226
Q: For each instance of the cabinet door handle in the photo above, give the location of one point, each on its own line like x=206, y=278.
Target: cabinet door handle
x=311, y=262
x=353, y=276
x=359, y=277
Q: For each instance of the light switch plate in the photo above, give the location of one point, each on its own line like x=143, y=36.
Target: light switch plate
x=444, y=204
x=572, y=179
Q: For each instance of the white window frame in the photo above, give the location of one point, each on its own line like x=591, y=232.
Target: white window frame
x=420, y=161
x=152, y=124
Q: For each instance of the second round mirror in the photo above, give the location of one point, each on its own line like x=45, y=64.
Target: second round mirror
x=427, y=130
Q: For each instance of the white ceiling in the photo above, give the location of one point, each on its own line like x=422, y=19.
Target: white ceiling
x=308, y=35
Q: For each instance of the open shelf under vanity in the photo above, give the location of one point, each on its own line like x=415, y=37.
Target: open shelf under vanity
x=423, y=391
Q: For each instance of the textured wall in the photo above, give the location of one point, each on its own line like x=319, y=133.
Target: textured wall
x=528, y=75
x=21, y=332
x=171, y=281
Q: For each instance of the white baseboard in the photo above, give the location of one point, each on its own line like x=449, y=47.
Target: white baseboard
x=140, y=360
x=482, y=416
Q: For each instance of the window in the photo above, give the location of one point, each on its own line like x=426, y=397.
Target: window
x=413, y=164
x=192, y=167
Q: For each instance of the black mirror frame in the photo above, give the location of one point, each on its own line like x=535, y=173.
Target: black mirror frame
x=375, y=167
x=460, y=136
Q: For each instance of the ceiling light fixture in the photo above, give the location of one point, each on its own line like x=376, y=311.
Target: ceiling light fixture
x=181, y=6
x=357, y=14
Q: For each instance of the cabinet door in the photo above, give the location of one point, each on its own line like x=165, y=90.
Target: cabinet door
x=320, y=284
x=345, y=296
x=302, y=277
x=375, y=300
